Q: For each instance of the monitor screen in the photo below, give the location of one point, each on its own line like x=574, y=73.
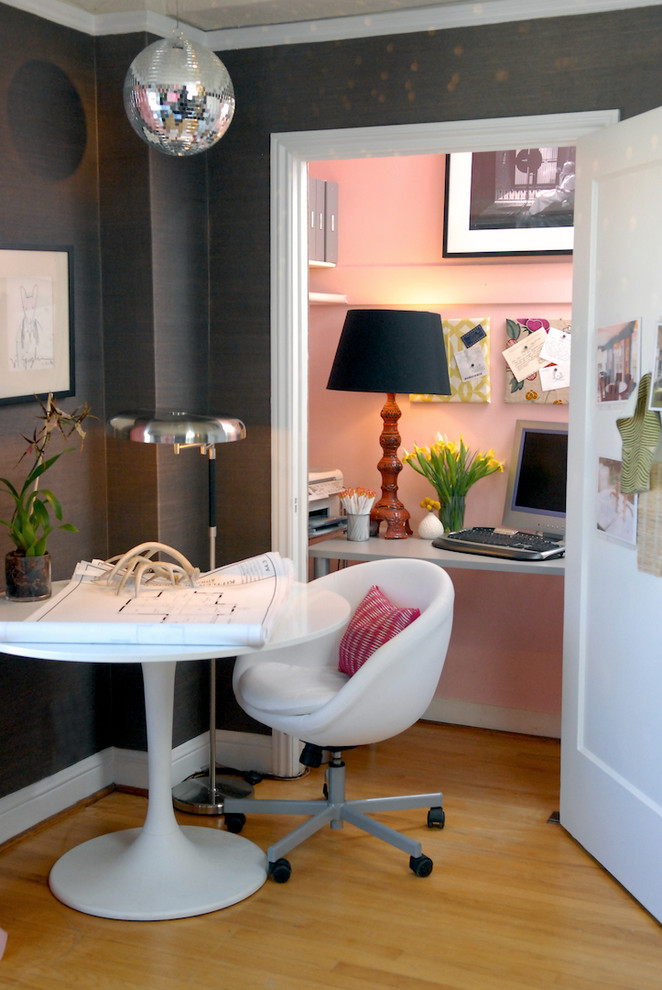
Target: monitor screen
x=537, y=474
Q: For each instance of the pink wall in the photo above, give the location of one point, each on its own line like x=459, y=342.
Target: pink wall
x=506, y=646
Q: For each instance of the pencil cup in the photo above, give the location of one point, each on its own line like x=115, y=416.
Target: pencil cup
x=358, y=526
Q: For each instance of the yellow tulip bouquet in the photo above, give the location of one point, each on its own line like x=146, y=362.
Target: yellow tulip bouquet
x=451, y=468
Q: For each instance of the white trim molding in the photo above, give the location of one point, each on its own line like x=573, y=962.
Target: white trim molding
x=456, y=712
x=290, y=154
x=33, y=804
x=434, y=18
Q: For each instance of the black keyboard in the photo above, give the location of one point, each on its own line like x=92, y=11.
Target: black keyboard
x=500, y=543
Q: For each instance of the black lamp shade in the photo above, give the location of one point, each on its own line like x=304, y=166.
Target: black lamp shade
x=391, y=350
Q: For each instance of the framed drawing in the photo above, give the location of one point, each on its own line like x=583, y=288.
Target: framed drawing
x=36, y=323
x=509, y=202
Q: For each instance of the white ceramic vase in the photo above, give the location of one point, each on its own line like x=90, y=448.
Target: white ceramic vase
x=430, y=526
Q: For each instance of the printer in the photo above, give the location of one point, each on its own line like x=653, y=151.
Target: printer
x=324, y=510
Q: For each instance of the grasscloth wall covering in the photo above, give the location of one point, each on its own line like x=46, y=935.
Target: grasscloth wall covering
x=172, y=280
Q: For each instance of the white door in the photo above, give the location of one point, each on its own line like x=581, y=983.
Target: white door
x=611, y=762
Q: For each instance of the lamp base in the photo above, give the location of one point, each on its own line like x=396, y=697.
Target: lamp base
x=194, y=795
x=396, y=518
x=389, y=508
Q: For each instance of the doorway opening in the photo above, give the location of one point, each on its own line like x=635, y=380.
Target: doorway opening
x=290, y=156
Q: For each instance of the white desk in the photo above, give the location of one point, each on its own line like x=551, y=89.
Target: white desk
x=379, y=549
x=163, y=871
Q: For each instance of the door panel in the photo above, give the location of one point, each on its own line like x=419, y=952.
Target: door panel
x=611, y=773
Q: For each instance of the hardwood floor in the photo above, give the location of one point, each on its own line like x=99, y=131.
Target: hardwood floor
x=513, y=902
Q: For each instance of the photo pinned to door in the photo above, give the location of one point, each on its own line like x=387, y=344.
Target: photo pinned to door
x=616, y=512
x=618, y=360
x=655, y=399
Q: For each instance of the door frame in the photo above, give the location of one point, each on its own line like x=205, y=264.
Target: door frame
x=290, y=154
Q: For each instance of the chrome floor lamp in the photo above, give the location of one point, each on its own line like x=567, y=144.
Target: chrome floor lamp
x=203, y=792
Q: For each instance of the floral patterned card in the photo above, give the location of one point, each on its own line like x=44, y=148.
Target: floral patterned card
x=531, y=389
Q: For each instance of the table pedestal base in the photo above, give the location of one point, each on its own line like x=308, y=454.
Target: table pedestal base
x=136, y=876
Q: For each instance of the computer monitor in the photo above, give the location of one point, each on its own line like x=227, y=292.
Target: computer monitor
x=537, y=475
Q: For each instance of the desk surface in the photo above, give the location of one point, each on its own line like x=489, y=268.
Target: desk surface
x=377, y=548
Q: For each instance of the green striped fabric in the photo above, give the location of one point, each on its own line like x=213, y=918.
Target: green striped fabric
x=640, y=434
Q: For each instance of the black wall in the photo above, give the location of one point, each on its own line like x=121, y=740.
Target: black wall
x=54, y=714
x=172, y=280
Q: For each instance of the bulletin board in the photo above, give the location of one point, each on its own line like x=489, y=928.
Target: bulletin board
x=532, y=388
x=468, y=351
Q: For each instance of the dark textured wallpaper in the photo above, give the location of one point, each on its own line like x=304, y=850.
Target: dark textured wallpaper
x=172, y=284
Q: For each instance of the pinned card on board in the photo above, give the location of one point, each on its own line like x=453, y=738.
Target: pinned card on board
x=523, y=358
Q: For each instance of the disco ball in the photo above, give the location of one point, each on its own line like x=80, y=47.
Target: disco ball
x=178, y=98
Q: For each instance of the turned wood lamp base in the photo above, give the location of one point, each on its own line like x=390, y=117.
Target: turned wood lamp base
x=389, y=508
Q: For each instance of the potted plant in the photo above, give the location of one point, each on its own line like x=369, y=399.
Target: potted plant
x=27, y=567
x=451, y=468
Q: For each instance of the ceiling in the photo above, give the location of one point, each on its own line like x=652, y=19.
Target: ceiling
x=231, y=24
x=215, y=15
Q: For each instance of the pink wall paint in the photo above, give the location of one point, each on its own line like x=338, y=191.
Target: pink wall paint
x=507, y=639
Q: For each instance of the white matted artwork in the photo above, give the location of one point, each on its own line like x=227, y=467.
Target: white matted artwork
x=36, y=323
x=618, y=361
x=468, y=350
x=548, y=383
x=616, y=512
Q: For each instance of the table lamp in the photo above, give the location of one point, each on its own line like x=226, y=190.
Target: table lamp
x=391, y=351
x=201, y=793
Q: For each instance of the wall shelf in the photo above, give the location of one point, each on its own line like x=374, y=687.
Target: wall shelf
x=326, y=299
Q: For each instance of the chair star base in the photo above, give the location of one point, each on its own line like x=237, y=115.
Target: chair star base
x=333, y=810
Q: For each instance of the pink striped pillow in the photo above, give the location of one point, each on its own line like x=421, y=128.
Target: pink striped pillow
x=375, y=621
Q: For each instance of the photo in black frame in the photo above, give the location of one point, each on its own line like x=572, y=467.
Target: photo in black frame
x=36, y=322
x=513, y=202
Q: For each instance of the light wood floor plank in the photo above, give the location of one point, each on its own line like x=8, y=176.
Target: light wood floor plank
x=513, y=902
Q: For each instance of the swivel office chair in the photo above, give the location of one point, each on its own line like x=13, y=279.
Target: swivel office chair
x=302, y=692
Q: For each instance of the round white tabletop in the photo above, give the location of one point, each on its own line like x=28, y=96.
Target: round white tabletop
x=162, y=870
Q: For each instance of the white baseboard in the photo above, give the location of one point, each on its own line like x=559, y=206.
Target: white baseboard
x=458, y=712
x=31, y=805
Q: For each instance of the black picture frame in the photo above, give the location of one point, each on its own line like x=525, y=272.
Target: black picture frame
x=517, y=202
x=36, y=322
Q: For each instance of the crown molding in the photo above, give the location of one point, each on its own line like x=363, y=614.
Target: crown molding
x=449, y=15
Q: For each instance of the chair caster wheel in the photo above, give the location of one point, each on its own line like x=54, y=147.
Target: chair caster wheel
x=421, y=865
x=436, y=818
x=235, y=823
x=280, y=870
x=253, y=777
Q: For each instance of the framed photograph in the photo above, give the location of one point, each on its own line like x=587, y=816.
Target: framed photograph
x=509, y=202
x=36, y=323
